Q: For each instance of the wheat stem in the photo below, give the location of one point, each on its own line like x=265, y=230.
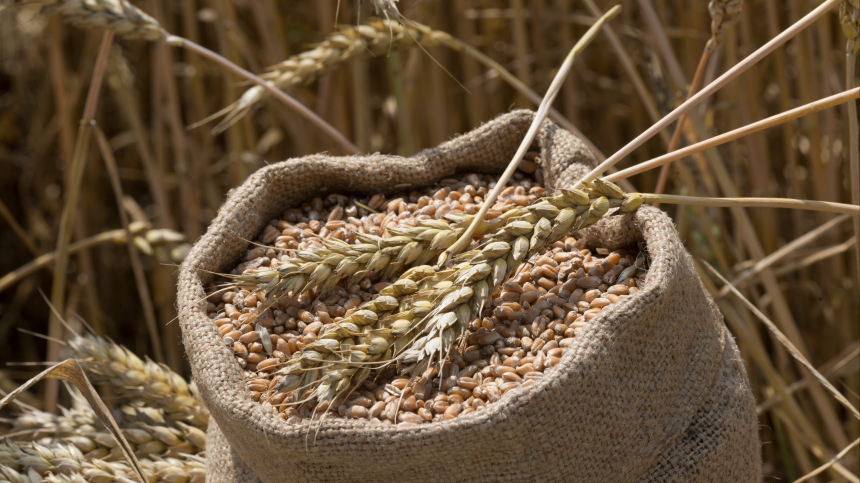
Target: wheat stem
x=279, y=94
x=781, y=118
x=850, y=16
x=782, y=252
x=724, y=13
x=541, y=114
x=79, y=159
x=788, y=344
x=724, y=79
x=676, y=136
x=811, y=205
x=133, y=254
x=830, y=463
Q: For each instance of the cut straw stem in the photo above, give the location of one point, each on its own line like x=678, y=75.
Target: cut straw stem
x=826, y=466
x=811, y=205
x=279, y=94
x=523, y=89
x=712, y=87
x=541, y=114
x=781, y=118
x=676, y=136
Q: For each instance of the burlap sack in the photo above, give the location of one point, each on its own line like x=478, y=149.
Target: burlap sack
x=653, y=389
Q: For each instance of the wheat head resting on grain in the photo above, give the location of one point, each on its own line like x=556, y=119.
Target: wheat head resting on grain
x=118, y=15
x=415, y=321
x=321, y=269
x=137, y=380
x=34, y=462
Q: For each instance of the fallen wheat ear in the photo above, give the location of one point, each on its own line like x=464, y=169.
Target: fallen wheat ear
x=414, y=321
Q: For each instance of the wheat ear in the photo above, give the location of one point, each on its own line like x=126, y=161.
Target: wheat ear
x=137, y=380
x=415, y=321
x=33, y=462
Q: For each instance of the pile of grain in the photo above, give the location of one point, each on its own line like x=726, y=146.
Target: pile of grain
x=524, y=332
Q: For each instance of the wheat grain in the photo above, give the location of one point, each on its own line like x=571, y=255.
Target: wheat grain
x=138, y=380
x=118, y=15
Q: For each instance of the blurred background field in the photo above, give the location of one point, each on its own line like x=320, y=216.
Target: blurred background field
x=401, y=101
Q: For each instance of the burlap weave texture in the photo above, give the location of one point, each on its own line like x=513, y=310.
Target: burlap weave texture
x=653, y=389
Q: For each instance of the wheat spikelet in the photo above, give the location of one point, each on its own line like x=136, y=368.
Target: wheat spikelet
x=415, y=321
x=118, y=15
x=33, y=462
x=138, y=380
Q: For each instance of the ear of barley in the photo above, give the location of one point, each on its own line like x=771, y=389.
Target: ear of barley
x=138, y=380
x=414, y=322
x=118, y=15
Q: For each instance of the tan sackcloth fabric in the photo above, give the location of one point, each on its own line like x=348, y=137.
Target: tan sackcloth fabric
x=653, y=389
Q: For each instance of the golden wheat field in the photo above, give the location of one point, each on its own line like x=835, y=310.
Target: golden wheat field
x=124, y=126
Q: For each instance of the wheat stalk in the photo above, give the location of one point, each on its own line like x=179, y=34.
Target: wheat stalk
x=372, y=40
x=134, y=379
x=724, y=79
x=33, y=462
